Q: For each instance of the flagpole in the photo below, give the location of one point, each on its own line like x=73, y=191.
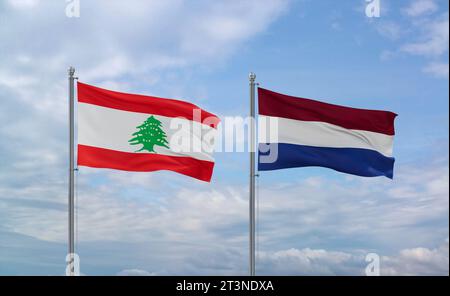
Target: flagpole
x=71, y=171
x=252, y=229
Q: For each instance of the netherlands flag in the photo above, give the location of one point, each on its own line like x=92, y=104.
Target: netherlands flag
x=312, y=133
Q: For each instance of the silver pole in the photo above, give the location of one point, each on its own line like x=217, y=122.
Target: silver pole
x=252, y=78
x=71, y=170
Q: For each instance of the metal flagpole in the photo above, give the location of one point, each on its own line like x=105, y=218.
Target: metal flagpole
x=71, y=171
x=252, y=78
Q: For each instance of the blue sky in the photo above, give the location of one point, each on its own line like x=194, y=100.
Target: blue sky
x=311, y=220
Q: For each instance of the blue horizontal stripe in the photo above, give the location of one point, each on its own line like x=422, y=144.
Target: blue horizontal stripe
x=355, y=161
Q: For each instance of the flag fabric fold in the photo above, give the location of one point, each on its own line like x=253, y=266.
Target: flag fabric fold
x=143, y=133
x=313, y=133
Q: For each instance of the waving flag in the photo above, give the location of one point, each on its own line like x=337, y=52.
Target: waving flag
x=312, y=133
x=142, y=133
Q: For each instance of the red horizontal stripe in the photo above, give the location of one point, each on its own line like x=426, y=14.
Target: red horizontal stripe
x=279, y=105
x=144, y=104
x=144, y=162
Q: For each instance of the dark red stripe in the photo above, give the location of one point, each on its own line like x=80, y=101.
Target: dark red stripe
x=144, y=104
x=279, y=105
x=144, y=162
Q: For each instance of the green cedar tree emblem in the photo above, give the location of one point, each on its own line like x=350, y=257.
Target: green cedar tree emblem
x=149, y=134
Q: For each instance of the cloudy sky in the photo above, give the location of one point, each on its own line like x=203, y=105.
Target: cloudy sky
x=311, y=221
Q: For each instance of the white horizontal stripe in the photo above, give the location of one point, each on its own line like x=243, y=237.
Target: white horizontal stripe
x=112, y=129
x=321, y=134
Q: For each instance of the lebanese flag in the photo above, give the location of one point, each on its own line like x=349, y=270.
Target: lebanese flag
x=143, y=134
x=313, y=133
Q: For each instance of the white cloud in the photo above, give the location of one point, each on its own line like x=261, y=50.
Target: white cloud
x=23, y=4
x=336, y=26
x=418, y=261
x=389, y=30
x=160, y=37
x=308, y=262
x=434, y=41
x=429, y=36
x=421, y=7
x=134, y=272
x=437, y=69
x=387, y=55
